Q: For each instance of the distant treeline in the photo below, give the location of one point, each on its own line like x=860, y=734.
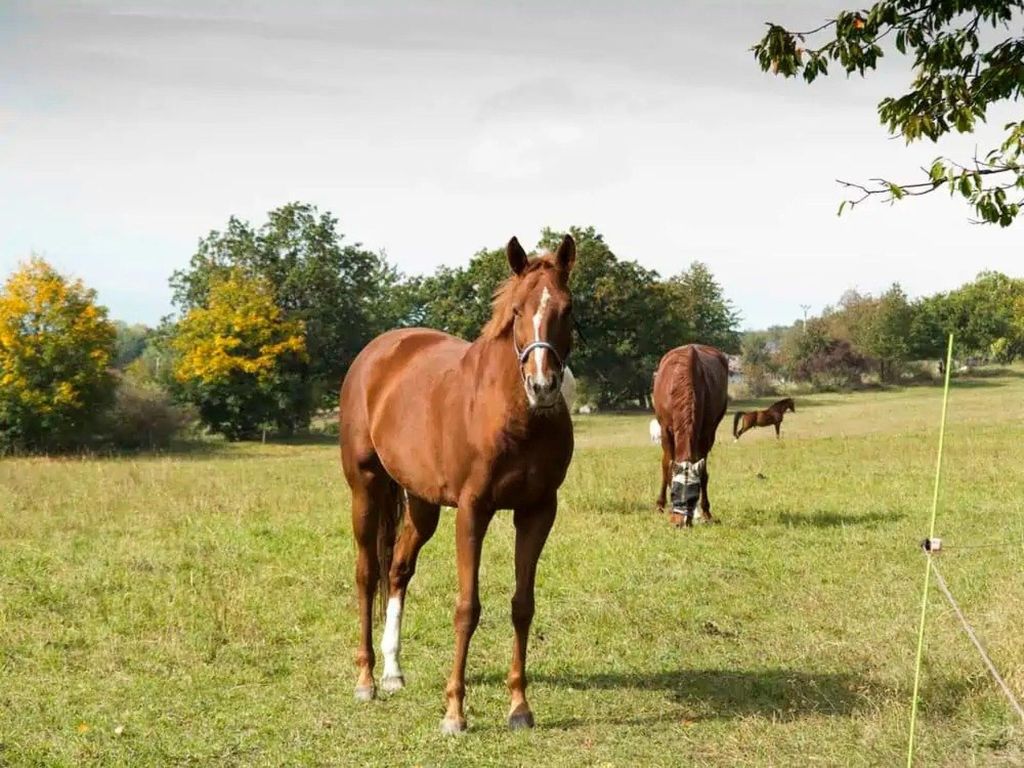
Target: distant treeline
x=269, y=318
x=886, y=336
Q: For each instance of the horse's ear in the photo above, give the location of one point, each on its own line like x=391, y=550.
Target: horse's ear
x=566, y=255
x=517, y=258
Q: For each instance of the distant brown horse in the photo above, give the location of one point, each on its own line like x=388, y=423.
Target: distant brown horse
x=690, y=398
x=771, y=416
x=479, y=427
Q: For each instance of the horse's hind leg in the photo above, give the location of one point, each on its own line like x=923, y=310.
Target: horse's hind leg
x=365, y=512
x=532, y=528
x=705, y=503
x=419, y=525
x=667, y=452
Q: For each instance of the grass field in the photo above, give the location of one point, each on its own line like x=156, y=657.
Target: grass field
x=198, y=608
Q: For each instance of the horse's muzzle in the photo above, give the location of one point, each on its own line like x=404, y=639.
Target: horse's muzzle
x=543, y=393
x=686, y=480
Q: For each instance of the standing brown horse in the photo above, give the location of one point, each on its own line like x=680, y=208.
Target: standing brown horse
x=690, y=398
x=478, y=427
x=771, y=416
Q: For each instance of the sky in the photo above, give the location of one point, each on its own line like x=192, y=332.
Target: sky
x=130, y=129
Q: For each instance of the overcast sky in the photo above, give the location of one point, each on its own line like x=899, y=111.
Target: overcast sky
x=433, y=129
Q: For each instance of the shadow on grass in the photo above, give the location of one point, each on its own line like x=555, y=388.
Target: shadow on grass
x=741, y=693
x=837, y=519
x=734, y=693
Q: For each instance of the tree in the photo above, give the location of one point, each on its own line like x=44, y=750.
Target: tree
x=55, y=348
x=889, y=334
x=959, y=72
x=130, y=343
x=237, y=357
x=343, y=294
x=458, y=300
x=698, y=296
x=625, y=319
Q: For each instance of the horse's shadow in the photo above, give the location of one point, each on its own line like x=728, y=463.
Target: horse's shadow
x=780, y=693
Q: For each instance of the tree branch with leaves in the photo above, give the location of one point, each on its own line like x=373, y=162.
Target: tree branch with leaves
x=966, y=58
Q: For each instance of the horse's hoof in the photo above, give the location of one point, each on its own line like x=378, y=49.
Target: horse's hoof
x=366, y=692
x=392, y=684
x=453, y=727
x=520, y=720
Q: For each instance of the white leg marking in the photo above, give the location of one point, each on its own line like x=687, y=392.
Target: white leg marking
x=390, y=644
x=538, y=354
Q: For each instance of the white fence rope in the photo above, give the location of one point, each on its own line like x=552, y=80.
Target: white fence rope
x=974, y=639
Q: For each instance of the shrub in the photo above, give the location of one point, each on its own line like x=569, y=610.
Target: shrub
x=142, y=416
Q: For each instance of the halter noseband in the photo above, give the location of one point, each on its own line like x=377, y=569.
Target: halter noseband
x=524, y=353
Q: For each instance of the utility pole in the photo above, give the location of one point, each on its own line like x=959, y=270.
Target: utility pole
x=805, y=307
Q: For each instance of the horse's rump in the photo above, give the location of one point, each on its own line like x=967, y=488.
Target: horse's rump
x=690, y=397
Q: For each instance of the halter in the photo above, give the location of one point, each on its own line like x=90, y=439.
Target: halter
x=524, y=353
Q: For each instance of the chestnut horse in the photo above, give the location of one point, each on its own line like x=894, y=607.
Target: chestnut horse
x=690, y=398
x=771, y=416
x=479, y=427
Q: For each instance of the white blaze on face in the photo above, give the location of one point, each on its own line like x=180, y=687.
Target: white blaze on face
x=390, y=644
x=539, y=352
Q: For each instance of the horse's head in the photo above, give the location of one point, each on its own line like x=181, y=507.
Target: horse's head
x=686, y=484
x=541, y=307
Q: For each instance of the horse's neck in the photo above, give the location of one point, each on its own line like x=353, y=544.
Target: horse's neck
x=498, y=383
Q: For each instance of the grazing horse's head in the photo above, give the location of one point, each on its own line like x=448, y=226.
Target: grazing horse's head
x=537, y=305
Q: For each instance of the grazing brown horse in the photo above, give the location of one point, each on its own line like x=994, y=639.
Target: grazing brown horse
x=478, y=427
x=690, y=398
x=768, y=417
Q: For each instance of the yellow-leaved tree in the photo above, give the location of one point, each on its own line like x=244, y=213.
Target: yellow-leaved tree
x=56, y=346
x=238, y=357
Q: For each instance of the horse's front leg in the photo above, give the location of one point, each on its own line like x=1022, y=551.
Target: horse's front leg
x=471, y=523
x=532, y=528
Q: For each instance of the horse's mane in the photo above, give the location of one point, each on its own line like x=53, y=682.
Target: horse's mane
x=501, y=303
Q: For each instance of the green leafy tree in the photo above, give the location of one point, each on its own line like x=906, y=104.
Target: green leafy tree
x=458, y=300
x=624, y=315
x=343, y=294
x=960, y=69
x=130, y=342
x=56, y=345
x=889, y=335
x=236, y=357
x=701, y=300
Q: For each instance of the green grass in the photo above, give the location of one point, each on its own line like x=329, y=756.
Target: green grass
x=198, y=608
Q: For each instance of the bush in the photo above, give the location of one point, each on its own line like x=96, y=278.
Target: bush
x=142, y=416
x=835, y=365
x=758, y=380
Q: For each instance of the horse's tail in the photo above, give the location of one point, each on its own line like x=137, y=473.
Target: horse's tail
x=736, y=423
x=387, y=533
